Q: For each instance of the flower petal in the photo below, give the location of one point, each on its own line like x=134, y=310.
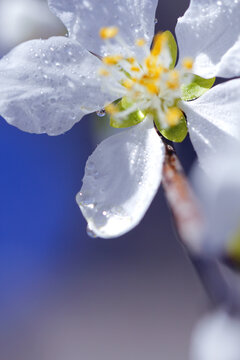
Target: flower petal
x=213, y=119
x=48, y=85
x=209, y=32
x=216, y=337
x=121, y=178
x=218, y=189
x=83, y=19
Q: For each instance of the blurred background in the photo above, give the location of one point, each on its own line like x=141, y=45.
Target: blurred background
x=64, y=295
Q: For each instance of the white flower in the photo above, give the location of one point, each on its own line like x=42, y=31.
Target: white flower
x=216, y=337
x=48, y=85
x=218, y=189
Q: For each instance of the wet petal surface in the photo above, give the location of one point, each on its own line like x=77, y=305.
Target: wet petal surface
x=121, y=178
x=83, y=19
x=213, y=119
x=209, y=32
x=48, y=85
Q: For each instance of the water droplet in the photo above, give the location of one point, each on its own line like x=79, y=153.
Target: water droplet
x=155, y=21
x=101, y=113
x=90, y=164
x=91, y=233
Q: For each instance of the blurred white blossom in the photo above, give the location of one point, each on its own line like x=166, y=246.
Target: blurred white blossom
x=216, y=337
x=218, y=189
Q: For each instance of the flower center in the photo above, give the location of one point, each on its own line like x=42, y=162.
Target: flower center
x=148, y=85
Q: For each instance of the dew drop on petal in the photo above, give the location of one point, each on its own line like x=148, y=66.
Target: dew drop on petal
x=91, y=233
x=101, y=113
x=155, y=21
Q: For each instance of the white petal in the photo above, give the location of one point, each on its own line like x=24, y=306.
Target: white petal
x=213, y=119
x=219, y=192
x=216, y=337
x=48, y=85
x=83, y=19
x=121, y=178
x=209, y=32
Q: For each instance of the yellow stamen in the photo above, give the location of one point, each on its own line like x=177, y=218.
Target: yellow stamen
x=152, y=88
x=135, y=68
x=150, y=61
x=140, y=42
x=112, y=59
x=111, y=109
x=155, y=72
x=172, y=85
x=187, y=63
x=173, y=116
x=128, y=84
x=173, y=82
x=104, y=72
x=131, y=60
x=108, y=32
x=158, y=43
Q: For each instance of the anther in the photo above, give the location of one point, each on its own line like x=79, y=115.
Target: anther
x=158, y=43
x=187, y=63
x=173, y=116
x=112, y=59
x=140, y=42
x=108, y=32
x=104, y=72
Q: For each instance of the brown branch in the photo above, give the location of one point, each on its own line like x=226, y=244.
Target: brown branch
x=188, y=221
x=182, y=201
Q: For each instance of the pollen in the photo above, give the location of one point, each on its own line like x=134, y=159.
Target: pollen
x=187, y=63
x=135, y=68
x=104, y=72
x=112, y=59
x=159, y=41
x=150, y=62
x=108, y=32
x=128, y=83
x=131, y=60
x=140, y=42
x=152, y=88
x=173, y=81
x=173, y=116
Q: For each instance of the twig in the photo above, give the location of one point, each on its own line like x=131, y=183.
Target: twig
x=188, y=221
x=182, y=202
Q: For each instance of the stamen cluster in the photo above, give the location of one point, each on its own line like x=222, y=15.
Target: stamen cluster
x=151, y=85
